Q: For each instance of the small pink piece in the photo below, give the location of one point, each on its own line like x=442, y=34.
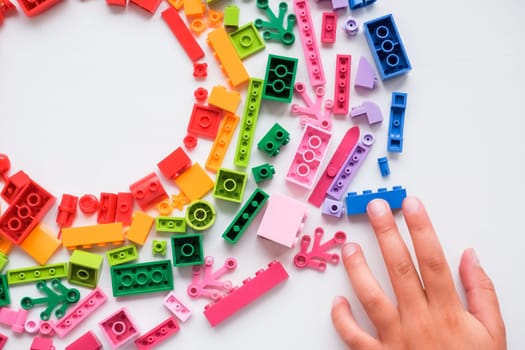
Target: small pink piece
x=177, y=307
x=88, y=341
x=158, y=334
x=15, y=319
x=342, y=84
x=328, y=27
x=313, y=113
x=42, y=344
x=210, y=286
x=3, y=340
x=282, y=220
x=118, y=328
x=365, y=76
x=318, y=256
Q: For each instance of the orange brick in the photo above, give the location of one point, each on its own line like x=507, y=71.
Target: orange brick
x=194, y=182
x=140, y=227
x=95, y=235
x=5, y=246
x=40, y=244
x=224, y=99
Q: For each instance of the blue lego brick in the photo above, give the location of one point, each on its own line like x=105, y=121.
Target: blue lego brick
x=386, y=47
x=356, y=203
x=397, y=122
x=355, y=4
x=384, y=168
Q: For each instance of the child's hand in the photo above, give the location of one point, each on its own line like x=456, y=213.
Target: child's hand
x=429, y=314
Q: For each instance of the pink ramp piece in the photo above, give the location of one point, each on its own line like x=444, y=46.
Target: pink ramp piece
x=370, y=110
x=210, y=286
x=251, y=289
x=282, y=220
x=313, y=113
x=318, y=256
x=87, y=341
x=365, y=76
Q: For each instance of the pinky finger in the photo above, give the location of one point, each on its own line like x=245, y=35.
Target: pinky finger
x=348, y=329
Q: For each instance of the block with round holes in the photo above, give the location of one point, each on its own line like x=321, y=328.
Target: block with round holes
x=5, y=298
x=200, y=215
x=170, y=224
x=36, y=273
x=124, y=210
x=342, y=84
x=158, y=334
x=204, y=121
x=230, y=185
x=122, y=255
x=159, y=247
x=309, y=155
x=148, y=191
x=118, y=328
x=173, y=304
x=141, y=278
x=187, y=250
x=280, y=78
x=247, y=40
x=328, y=27
x=84, y=268
x=222, y=141
x=273, y=140
x=263, y=172
x=107, y=208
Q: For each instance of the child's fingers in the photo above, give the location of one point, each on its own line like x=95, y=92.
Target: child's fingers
x=348, y=329
x=481, y=295
x=378, y=307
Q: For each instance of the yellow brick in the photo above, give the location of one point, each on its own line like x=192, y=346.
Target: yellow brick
x=40, y=244
x=193, y=8
x=95, y=235
x=194, y=182
x=140, y=227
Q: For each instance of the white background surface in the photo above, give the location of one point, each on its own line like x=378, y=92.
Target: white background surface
x=93, y=97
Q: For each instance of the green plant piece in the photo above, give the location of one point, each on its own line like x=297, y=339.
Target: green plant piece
x=274, y=29
x=187, y=250
x=36, y=273
x=280, y=78
x=84, y=268
x=200, y=215
x=170, y=224
x=122, y=255
x=247, y=40
x=141, y=278
x=230, y=185
x=263, y=172
x=61, y=298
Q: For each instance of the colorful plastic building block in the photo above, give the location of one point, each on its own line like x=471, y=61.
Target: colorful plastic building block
x=107, y=209
x=80, y=312
x=222, y=141
x=244, y=218
x=228, y=58
x=350, y=167
x=25, y=211
x=84, y=268
x=118, y=328
x=88, y=204
x=177, y=307
x=158, y=334
x=177, y=4
x=174, y=163
x=200, y=215
x=3, y=338
x=200, y=70
x=67, y=210
x=122, y=255
x=339, y=4
x=231, y=16
x=183, y=34
x=15, y=319
x=272, y=141
x=5, y=298
x=61, y=298
x=318, y=255
x=170, y=224
x=280, y=78
x=150, y=6
x=226, y=100
x=282, y=220
x=14, y=183
x=195, y=183
x=6, y=7
x=312, y=57
x=309, y=156
x=140, y=227
x=248, y=292
x=40, y=244
x=148, y=191
x=356, y=203
x=383, y=166
x=179, y=200
x=124, y=209
x=122, y=3
x=94, y=235
x=342, y=84
x=313, y=113
x=386, y=47
x=332, y=207
x=368, y=109
x=5, y=246
x=87, y=341
x=247, y=40
x=204, y=121
x=248, y=123
x=31, y=327
x=230, y=185
x=190, y=141
x=187, y=250
x=46, y=328
x=329, y=27
x=215, y=17
x=263, y=172
x=209, y=285
x=201, y=94
x=397, y=122
x=40, y=343
x=36, y=273
x=4, y=260
x=193, y=8
x=351, y=26
x=274, y=29
x=159, y=247
x=141, y=278
x=365, y=77
x=355, y=4
x=33, y=8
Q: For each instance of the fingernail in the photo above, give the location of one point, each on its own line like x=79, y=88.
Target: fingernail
x=377, y=207
x=349, y=249
x=336, y=301
x=474, y=257
x=411, y=205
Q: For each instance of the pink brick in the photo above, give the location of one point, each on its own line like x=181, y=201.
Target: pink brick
x=158, y=334
x=87, y=341
x=177, y=307
x=118, y=328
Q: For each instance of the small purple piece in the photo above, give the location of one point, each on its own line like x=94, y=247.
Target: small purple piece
x=332, y=207
x=368, y=109
x=339, y=4
x=366, y=76
x=351, y=24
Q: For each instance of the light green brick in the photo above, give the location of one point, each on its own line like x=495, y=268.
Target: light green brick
x=122, y=255
x=84, y=268
x=231, y=16
x=247, y=40
x=230, y=185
